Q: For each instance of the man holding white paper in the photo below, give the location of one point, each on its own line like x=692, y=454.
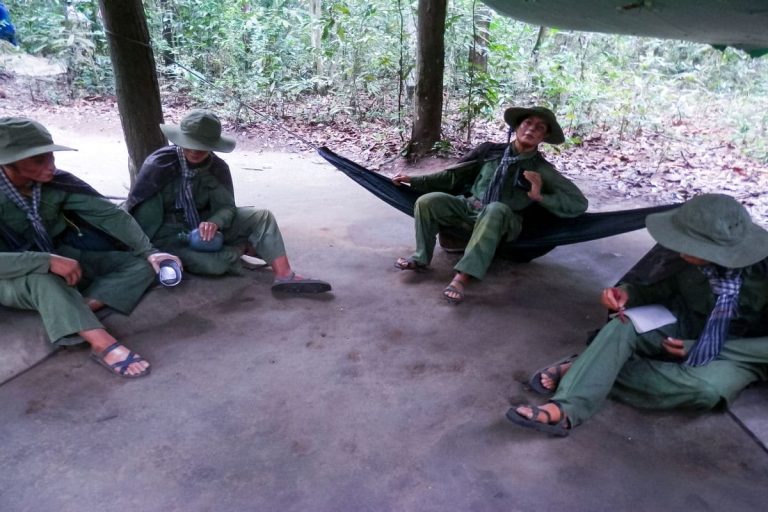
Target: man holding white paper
x=717, y=346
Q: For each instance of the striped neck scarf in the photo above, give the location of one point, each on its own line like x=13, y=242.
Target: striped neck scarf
x=727, y=287
x=185, y=200
x=493, y=192
x=30, y=208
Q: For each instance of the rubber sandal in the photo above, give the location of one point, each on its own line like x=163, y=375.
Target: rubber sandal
x=409, y=264
x=452, y=289
x=290, y=284
x=121, y=367
x=559, y=429
x=535, y=381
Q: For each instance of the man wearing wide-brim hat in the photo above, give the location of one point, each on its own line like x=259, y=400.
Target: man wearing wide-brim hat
x=487, y=192
x=187, y=187
x=717, y=345
x=44, y=264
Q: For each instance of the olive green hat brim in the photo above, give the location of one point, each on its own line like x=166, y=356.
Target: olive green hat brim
x=514, y=115
x=753, y=247
x=223, y=144
x=10, y=155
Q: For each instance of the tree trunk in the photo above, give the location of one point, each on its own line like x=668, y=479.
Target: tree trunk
x=316, y=14
x=166, y=14
x=537, y=46
x=478, y=53
x=138, y=93
x=430, y=63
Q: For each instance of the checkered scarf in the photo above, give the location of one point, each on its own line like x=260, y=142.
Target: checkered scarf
x=30, y=208
x=185, y=200
x=712, y=339
x=493, y=192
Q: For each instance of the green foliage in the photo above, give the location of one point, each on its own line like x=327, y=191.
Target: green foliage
x=71, y=33
x=346, y=62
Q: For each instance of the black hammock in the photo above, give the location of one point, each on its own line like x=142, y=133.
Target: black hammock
x=542, y=230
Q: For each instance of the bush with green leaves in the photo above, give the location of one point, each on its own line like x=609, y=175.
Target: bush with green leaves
x=70, y=32
x=355, y=60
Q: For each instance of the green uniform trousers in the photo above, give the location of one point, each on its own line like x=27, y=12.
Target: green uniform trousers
x=490, y=225
x=249, y=226
x=61, y=307
x=619, y=363
x=118, y=279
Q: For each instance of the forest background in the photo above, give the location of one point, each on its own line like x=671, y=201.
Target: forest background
x=644, y=117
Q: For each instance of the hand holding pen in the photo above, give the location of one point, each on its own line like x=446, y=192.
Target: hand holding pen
x=615, y=300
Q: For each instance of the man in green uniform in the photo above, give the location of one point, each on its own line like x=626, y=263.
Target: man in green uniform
x=186, y=187
x=717, y=346
x=487, y=192
x=41, y=269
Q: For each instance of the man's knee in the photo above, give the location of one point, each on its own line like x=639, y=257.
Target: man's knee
x=496, y=211
x=618, y=331
x=254, y=216
x=29, y=291
x=43, y=283
x=431, y=200
x=129, y=265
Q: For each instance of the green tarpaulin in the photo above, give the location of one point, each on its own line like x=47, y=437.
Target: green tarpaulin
x=739, y=23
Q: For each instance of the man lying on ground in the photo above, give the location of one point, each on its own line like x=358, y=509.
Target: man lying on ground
x=42, y=270
x=186, y=187
x=486, y=194
x=717, y=346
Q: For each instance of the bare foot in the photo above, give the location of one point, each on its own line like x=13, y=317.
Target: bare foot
x=556, y=415
x=120, y=360
x=550, y=378
x=409, y=264
x=454, y=292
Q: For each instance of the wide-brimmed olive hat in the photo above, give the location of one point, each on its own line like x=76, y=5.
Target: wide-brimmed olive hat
x=200, y=130
x=22, y=138
x=515, y=115
x=713, y=227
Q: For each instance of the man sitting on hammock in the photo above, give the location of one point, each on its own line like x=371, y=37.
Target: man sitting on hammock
x=501, y=182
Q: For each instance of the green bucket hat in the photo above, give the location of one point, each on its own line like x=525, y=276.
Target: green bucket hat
x=713, y=227
x=515, y=115
x=199, y=130
x=22, y=138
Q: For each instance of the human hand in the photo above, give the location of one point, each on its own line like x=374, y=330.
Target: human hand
x=67, y=268
x=674, y=347
x=400, y=178
x=614, y=298
x=156, y=258
x=535, y=180
x=207, y=231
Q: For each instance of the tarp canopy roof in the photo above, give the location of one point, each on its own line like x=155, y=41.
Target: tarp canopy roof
x=739, y=23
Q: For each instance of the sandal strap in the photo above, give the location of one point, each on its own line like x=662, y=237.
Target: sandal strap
x=409, y=263
x=122, y=366
x=287, y=279
x=536, y=410
x=109, y=349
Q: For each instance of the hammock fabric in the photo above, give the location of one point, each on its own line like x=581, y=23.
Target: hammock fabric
x=542, y=231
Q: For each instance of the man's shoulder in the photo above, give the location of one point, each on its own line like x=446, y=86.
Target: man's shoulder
x=541, y=160
x=69, y=183
x=163, y=158
x=485, y=151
